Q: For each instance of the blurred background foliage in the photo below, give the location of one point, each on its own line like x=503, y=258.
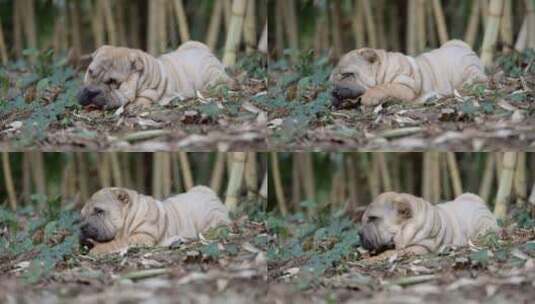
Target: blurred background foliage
x=315, y=184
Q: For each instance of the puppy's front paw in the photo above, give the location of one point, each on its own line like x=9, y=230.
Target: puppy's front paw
x=373, y=97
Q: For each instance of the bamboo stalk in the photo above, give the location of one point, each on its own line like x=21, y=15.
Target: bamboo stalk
x=426, y=176
x=454, y=173
x=8, y=180
x=491, y=31
x=336, y=18
x=506, y=27
x=352, y=185
x=296, y=182
x=290, y=21
x=373, y=177
x=263, y=42
x=435, y=176
x=76, y=33
x=156, y=175
x=116, y=170
x=82, y=176
x=488, y=176
x=182, y=21
x=165, y=171
x=235, y=179
x=277, y=183
x=411, y=27
x=370, y=24
x=522, y=38
x=97, y=22
x=420, y=28
x=251, y=179
x=234, y=32
x=505, y=184
x=309, y=181
x=249, y=27
x=38, y=172
x=473, y=23
x=383, y=168
x=279, y=27
x=3, y=49
x=358, y=24
x=441, y=21
x=217, y=173
x=214, y=25
x=264, y=187
x=104, y=170
x=29, y=24
x=530, y=14
x=520, y=183
x=26, y=176
x=532, y=201
x=17, y=28
x=186, y=170
x=177, y=180
x=111, y=29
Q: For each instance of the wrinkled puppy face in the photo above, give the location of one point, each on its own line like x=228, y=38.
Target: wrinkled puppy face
x=103, y=215
x=109, y=69
x=354, y=74
x=382, y=220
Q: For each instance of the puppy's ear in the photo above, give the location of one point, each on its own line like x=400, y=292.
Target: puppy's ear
x=370, y=55
x=135, y=60
x=121, y=196
x=403, y=208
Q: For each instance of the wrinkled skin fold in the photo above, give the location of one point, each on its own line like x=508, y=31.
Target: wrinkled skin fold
x=118, y=76
x=375, y=75
x=406, y=222
x=114, y=219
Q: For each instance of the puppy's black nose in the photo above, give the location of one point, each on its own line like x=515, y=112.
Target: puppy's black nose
x=87, y=94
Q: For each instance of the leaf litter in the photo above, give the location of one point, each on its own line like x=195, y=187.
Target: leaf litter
x=477, y=117
x=38, y=108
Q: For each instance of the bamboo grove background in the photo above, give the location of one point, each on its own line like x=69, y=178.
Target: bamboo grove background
x=80, y=26
x=34, y=177
x=410, y=26
x=304, y=182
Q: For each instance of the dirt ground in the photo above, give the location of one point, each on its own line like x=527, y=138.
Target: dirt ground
x=231, y=269
x=501, y=273
x=38, y=109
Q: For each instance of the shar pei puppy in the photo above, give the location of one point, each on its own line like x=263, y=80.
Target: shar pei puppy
x=114, y=219
x=378, y=75
x=405, y=222
x=118, y=76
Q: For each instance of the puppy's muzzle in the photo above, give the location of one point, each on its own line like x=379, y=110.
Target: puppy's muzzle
x=341, y=93
x=91, y=95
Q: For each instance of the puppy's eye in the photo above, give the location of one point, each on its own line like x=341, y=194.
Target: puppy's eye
x=111, y=81
x=98, y=211
x=373, y=218
x=347, y=75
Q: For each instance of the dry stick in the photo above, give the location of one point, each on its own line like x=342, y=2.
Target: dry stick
x=182, y=20
x=214, y=26
x=383, y=168
x=370, y=24
x=473, y=23
x=506, y=27
x=235, y=179
x=520, y=183
x=110, y=23
x=358, y=24
x=234, y=32
x=491, y=31
x=505, y=185
x=277, y=183
x=186, y=170
x=116, y=170
x=530, y=7
x=441, y=21
x=263, y=42
x=8, y=180
x=454, y=173
x=420, y=41
x=488, y=177
x=249, y=27
x=251, y=180
x=3, y=49
x=217, y=173
x=290, y=20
